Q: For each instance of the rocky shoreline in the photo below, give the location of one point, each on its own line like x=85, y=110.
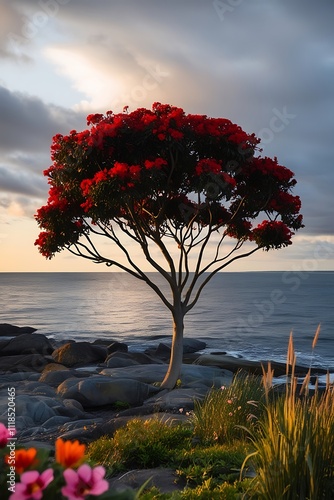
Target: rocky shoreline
x=84, y=390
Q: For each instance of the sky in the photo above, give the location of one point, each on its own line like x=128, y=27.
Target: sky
x=267, y=65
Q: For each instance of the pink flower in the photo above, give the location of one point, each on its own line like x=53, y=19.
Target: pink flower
x=32, y=485
x=4, y=435
x=84, y=481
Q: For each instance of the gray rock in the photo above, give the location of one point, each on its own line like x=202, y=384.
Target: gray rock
x=161, y=352
x=31, y=431
x=164, y=348
x=70, y=411
x=12, y=378
x=37, y=409
x=37, y=389
x=22, y=423
x=166, y=480
x=53, y=367
x=117, y=362
x=72, y=403
x=7, y=330
x=179, y=400
x=56, y=421
x=23, y=363
x=26, y=344
x=55, y=378
x=193, y=345
x=79, y=354
x=119, y=359
x=81, y=423
x=150, y=374
x=117, y=347
x=145, y=359
x=101, y=391
x=236, y=364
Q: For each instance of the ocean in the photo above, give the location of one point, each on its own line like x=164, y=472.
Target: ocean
x=248, y=314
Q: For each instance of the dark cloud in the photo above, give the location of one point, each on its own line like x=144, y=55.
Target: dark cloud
x=28, y=124
x=12, y=181
x=252, y=62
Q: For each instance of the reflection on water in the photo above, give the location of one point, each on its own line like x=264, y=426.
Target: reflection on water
x=247, y=313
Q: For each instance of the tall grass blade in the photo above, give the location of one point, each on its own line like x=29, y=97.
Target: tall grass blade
x=316, y=336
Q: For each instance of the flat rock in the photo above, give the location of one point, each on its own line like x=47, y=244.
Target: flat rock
x=166, y=480
x=150, y=374
x=79, y=354
x=236, y=364
x=98, y=391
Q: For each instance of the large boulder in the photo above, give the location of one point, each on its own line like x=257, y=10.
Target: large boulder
x=79, y=354
x=117, y=347
x=7, y=330
x=149, y=374
x=119, y=359
x=38, y=409
x=23, y=363
x=55, y=378
x=163, y=350
x=98, y=391
x=193, y=345
x=26, y=343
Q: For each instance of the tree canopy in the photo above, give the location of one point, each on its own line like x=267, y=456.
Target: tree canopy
x=160, y=176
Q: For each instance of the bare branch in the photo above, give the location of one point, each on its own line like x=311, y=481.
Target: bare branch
x=198, y=293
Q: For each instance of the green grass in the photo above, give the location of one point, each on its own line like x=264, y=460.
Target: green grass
x=141, y=444
x=294, y=445
x=225, y=411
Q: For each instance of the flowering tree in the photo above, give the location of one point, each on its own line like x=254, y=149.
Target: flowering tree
x=186, y=185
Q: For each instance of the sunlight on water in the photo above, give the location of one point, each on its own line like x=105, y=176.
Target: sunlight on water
x=249, y=314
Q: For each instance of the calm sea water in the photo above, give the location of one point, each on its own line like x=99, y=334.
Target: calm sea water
x=248, y=314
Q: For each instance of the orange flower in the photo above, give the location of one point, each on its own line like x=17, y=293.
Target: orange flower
x=23, y=459
x=68, y=453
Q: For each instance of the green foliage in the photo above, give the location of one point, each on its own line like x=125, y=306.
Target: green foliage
x=140, y=444
x=218, y=463
x=207, y=491
x=223, y=413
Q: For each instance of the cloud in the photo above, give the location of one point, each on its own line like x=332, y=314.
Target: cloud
x=10, y=26
x=28, y=124
x=21, y=182
x=256, y=60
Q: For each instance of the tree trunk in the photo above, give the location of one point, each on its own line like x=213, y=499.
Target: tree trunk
x=175, y=363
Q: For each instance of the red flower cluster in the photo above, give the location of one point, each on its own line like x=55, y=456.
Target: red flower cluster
x=146, y=168
x=272, y=234
x=285, y=203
